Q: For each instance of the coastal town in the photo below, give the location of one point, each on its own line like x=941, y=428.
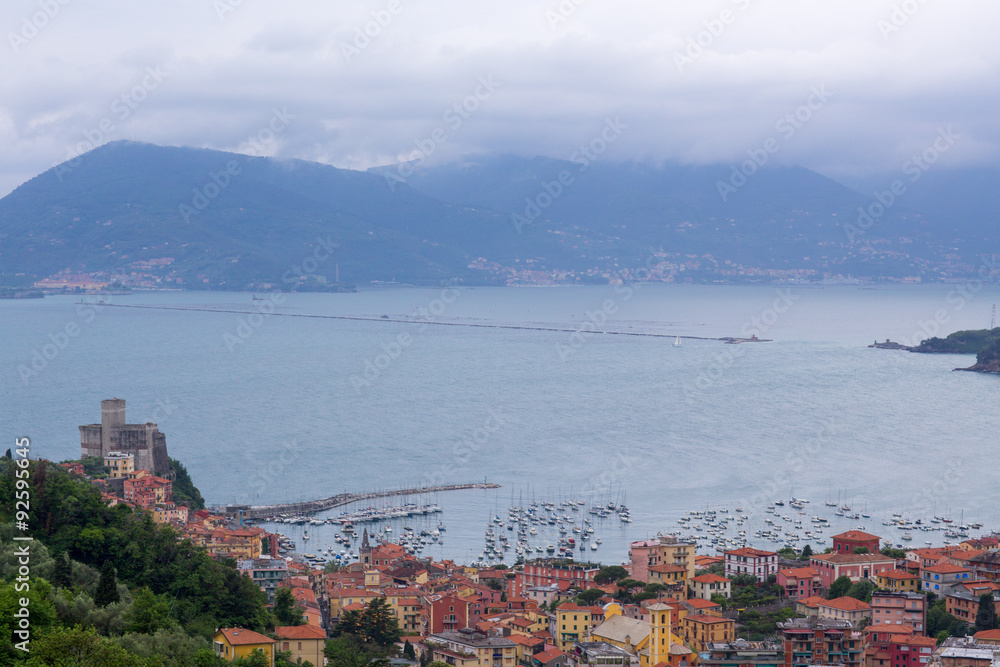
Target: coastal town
x=854, y=599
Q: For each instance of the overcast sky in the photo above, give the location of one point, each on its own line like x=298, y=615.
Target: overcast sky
x=693, y=81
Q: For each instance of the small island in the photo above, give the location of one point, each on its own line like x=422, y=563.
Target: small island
x=984, y=343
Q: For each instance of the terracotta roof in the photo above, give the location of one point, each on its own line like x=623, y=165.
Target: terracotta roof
x=851, y=559
x=856, y=536
x=898, y=574
x=239, y=637
x=709, y=579
x=547, y=656
x=299, y=632
x=705, y=618
x=749, y=551
x=847, y=603
x=890, y=628
x=991, y=635
x=811, y=601
x=800, y=572
x=945, y=568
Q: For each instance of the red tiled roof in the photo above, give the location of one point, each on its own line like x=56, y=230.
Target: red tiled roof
x=991, y=635
x=705, y=618
x=709, y=579
x=239, y=637
x=750, y=551
x=811, y=601
x=898, y=574
x=699, y=603
x=299, y=632
x=945, y=568
x=668, y=568
x=856, y=536
x=846, y=603
x=800, y=572
x=546, y=656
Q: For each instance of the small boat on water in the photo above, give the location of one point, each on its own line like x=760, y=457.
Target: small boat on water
x=677, y=341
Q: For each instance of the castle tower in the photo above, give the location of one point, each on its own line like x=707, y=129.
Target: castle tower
x=660, y=637
x=112, y=417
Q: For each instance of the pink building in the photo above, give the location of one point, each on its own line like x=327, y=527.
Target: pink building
x=759, y=563
x=800, y=582
x=856, y=566
x=899, y=609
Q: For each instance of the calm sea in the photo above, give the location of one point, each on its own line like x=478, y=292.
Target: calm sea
x=273, y=408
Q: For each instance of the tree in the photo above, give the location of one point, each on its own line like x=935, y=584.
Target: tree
x=590, y=596
x=862, y=550
x=408, y=651
x=148, y=613
x=494, y=584
x=986, y=617
x=898, y=554
x=379, y=625
x=861, y=591
x=788, y=553
x=78, y=647
x=286, y=611
x=807, y=552
x=610, y=574
x=839, y=588
x=107, y=586
x=62, y=574
x=346, y=651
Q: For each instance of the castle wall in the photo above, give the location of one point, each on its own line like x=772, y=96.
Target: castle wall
x=90, y=440
x=144, y=441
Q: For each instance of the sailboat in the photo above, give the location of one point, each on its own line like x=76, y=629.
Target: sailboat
x=677, y=341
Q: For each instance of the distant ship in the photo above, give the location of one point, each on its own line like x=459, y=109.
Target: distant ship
x=677, y=341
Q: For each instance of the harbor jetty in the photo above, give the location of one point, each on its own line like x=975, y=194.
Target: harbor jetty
x=313, y=506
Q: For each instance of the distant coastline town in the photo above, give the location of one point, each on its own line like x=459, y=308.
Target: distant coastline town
x=858, y=601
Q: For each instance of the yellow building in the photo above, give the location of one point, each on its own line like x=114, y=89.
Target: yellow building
x=232, y=643
x=306, y=642
x=120, y=464
x=660, y=637
x=573, y=622
x=898, y=581
x=700, y=629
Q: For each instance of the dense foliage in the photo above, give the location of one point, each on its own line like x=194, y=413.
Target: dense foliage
x=961, y=342
x=184, y=490
x=123, y=591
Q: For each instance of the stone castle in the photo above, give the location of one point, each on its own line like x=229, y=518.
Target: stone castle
x=144, y=441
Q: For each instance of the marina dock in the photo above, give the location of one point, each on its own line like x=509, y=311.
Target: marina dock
x=313, y=506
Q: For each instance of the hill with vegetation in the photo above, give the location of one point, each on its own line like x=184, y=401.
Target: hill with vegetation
x=984, y=343
x=108, y=586
x=203, y=219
